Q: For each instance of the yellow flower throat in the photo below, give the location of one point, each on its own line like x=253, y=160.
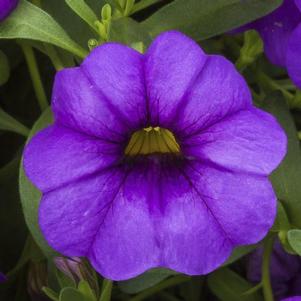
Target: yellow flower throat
x=152, y=140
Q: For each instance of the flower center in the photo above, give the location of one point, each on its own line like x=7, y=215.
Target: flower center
x=152, y=140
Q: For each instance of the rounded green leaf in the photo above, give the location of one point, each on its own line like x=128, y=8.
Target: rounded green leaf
x=294, y=239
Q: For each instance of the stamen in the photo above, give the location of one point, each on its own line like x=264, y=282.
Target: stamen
x=152, y=140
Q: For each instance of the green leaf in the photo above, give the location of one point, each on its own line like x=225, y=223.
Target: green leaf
x=9, y=123
x=229, y=286
x=84, y=11
x=106, y=290
x=285, y=178
x=281, y=222
x=128, y=31
x=71, y=294
x=86, y=290
x=202, y=19
x=144, y=281
x=4, y=67
x=50, y=293
x=30, y=22
x=30, y=195
x=294, y=239
x=78, y=30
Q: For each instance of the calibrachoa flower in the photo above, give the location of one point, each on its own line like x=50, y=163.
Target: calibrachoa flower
x=285, y=271
x=281, y=33
x=6, y=7
x=155, y=160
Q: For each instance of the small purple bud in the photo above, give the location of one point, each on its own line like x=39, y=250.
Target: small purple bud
x=78, y=269
x=70, y=267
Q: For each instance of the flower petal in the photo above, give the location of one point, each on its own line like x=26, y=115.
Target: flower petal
x=77, y=103
x=216, y=212
x=275, y=29
x=293, y=56
x=218, y=91
x=126, y=244
x=157, y=220
x=250, y=141
x=107, y=219
x=192, y=240
x=57, y=155
x=70, y=216
x=298, y=3
x=116, y=71
x=184, y=216
x=172, y=64
x=244, y=205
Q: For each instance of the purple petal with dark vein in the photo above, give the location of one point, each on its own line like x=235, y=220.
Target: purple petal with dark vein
x=172, y=64
x=57, y=156
x=218, y=91
x=117, y=72
x=78, y=104
x=249, y=141
x=240, y=203
x=70, y=216
x=184, y=216
x=157, y=220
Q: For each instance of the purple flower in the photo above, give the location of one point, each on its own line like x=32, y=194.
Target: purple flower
x=6, y=7
x=155, y=160
x=285, y=271
x=281, y=33
x=292, y=299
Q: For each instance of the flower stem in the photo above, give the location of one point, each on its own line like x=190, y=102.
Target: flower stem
x=55, y=59
x=35, y=75
x=161, y=286
x=265, y=269
x=143, y=4
x=270, y=84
